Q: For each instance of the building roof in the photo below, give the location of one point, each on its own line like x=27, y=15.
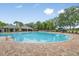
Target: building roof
x=9, y=26
x=26, y=27
x=13, y=26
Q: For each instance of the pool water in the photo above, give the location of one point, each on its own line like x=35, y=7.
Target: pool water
x=37, y=37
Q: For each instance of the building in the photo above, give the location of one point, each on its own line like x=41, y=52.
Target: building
x=13, y=28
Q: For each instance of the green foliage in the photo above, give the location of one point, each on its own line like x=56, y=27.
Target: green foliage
x=47, y=25
x=2, y=24
x=69, y=18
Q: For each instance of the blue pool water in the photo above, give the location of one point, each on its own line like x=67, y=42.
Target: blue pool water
x=36, y=37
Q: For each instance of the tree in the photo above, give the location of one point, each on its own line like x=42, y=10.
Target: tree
x=69, y=13
x=18, y=25
x=56, y=22
x=44, y=25
x=62, y=20
x=38, y=25
x=2, y=24
x=70, y=18
x=49, y=25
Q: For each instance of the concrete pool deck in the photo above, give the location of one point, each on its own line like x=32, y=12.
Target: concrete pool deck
x=69, y=48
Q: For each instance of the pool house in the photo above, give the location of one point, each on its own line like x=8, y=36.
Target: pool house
x=13, y=28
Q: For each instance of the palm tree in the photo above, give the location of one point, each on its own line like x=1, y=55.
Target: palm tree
x=18, y=25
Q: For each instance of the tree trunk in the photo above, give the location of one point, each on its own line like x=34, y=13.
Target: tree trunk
x=70, y=28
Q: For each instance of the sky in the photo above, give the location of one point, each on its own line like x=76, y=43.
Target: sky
x=31, y=12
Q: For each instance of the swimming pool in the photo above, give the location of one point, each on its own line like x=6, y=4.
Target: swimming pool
x=37, y=37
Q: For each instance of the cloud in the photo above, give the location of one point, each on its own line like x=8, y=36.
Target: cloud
x=48, y=11
x=61, y=11
x=19, y=6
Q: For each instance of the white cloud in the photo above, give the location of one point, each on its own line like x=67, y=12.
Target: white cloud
x=19, y=6
x=48, y=11
x=61, y=11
